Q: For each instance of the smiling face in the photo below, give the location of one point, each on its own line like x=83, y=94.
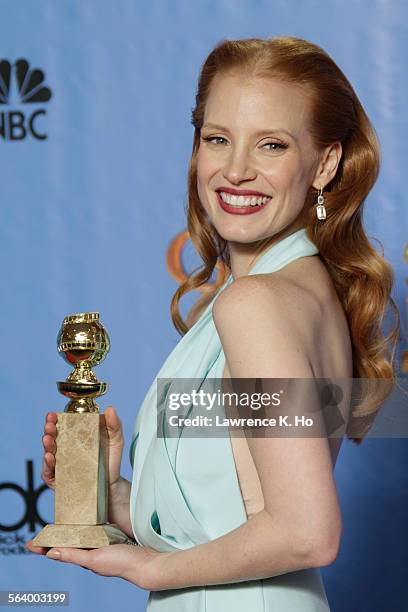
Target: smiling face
x=255, y=139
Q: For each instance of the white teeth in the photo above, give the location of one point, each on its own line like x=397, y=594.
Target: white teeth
x=242, y=201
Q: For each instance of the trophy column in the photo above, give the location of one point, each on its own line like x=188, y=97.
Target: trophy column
x=81, y=482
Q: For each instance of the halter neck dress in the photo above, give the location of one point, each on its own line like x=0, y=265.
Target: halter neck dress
x=185, y=491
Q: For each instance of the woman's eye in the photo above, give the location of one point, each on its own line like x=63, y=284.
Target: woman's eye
x=279, y=145
x=276, y=145
x=211, y=138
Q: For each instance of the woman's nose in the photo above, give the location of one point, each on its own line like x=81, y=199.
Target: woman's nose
x=238, y=167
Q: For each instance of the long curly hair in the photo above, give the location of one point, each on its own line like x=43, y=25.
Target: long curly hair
x=361, y=276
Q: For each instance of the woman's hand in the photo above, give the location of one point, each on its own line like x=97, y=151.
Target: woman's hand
x=132, y=563
x=48, y=440
x=116, y=444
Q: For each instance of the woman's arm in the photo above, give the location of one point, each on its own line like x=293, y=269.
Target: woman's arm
x=118, y=507
x=300, y=525
x=264, y=546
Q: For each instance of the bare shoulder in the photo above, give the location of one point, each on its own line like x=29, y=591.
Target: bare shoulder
x=259, y=319
x=275, y=299
x=292, y=316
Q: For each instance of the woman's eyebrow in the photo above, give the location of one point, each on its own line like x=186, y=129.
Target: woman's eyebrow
x=257, y=133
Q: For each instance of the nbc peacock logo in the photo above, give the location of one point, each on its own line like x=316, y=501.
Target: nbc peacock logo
x=22, y=88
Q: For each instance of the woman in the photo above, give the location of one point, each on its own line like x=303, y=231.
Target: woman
x=283, y=159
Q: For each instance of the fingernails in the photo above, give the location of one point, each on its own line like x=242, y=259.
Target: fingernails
x=54, y=554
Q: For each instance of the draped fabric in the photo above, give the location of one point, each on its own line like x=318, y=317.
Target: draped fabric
x=185, y=491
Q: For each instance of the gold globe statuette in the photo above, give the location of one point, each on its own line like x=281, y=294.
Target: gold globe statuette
x=82, y=455
x=84, y=343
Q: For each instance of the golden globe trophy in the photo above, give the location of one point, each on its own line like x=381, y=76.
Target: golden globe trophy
x=81, y=483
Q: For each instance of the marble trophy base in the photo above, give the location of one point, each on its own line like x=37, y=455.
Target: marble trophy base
x=81, y=485
x=80, y=536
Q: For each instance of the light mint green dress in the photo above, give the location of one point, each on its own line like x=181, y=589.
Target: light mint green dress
x=185, y=491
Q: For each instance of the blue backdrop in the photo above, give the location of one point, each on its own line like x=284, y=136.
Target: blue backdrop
x=94, y=145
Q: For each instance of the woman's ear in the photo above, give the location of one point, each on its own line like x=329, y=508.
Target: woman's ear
x=327, y=167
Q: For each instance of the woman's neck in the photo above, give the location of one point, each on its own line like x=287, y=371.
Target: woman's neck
x=243, y=255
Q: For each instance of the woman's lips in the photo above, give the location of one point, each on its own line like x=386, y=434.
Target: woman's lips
x=244, y=210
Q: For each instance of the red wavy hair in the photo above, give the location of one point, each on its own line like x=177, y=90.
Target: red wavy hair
x=362, y=278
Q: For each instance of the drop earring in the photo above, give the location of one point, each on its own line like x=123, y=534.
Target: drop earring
x=320, y=208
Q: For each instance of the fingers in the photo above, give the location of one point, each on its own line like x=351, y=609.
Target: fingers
x=50, y=432
x=50, y=428
x=51, y=417
x=39, y=550
x=113, y=422
x=48, y=439
x=114, y=426
x=48, y=470
x=82, y=557
x=49, y=444
x=49, y=459
x=50, y=447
